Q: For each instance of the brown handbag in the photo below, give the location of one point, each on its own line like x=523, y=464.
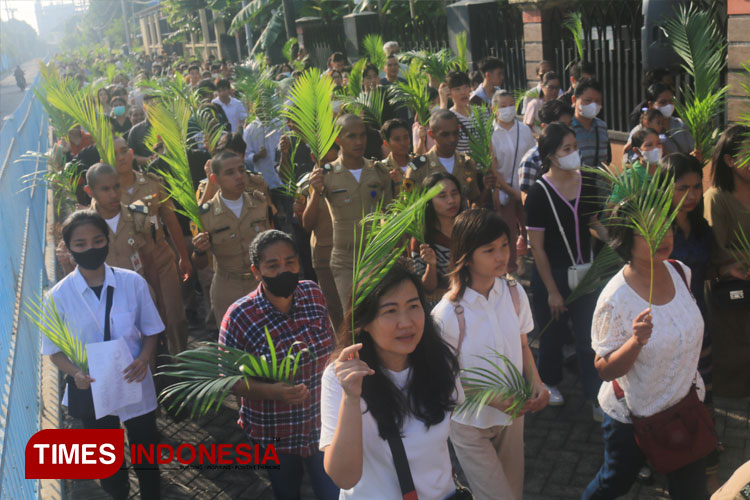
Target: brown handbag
x=679, y=435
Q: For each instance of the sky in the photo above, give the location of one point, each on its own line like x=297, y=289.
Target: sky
x=24, y=9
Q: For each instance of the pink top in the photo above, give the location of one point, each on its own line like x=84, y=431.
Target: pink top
x=429, y=141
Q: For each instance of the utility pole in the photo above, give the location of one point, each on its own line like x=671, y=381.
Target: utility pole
x=126, y=22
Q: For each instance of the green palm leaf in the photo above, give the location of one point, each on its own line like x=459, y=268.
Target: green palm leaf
x=695, y=37
x=369, y=105
x=436, y=64
x=744, y=157
x=354, y=87
x=373, y=45
x=288, y=49
x=480, y=137
x=260, y=92
x=574, y=23
x=311, y=112
x=482, y=386
x=382, y=241
x=249, y=12
x=646, y=206
x=49, y=77
x=211, y=370
x=44, y=314
x=169, y=128
x=461, y=44
x=413, y=94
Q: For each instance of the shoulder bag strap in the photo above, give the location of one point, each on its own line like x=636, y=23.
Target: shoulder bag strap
x=405, y=481
x=459, y=310
x=557, y=219
x=681, y=272
x=110, y=293
x=596, y=133
x=514, y=296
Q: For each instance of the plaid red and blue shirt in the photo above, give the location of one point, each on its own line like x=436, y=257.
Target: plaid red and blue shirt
x=293, y=429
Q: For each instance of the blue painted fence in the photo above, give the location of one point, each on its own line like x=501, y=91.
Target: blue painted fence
x=22, y=241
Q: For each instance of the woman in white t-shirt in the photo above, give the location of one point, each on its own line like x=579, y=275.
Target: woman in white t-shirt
x=652, y=353
x=400, y=379
x=496, y=315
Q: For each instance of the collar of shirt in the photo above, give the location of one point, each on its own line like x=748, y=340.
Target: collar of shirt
x=471, y=296
x=80, y=282
x=265, y=304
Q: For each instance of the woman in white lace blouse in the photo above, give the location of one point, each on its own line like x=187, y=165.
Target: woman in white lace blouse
x=652, y=353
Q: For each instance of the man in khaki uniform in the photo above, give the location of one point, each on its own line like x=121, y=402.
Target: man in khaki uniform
x=231, y=220
x=127, y=223
x=316, y=220
x=443, y=157
x=353, y=187
x=149, y=191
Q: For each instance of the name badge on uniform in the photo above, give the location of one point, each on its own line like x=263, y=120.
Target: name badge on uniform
x=135, y=261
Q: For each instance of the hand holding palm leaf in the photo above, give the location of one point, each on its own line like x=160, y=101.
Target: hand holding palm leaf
x=212, y=370
x=480, y=137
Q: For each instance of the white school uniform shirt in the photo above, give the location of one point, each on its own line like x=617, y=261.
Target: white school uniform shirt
x=257, y=137
x=426, y=449
x=235, y=112
x=491, y=323
x=504, y=145
x=132, y=316
x=667, y=366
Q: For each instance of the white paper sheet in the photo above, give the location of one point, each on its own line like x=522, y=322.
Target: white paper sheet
x=107, y=361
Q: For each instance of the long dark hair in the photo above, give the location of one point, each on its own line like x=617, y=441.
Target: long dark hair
x=434, y=367
x=473, y=228
x=431, y=225
x=551, y=139
x=678, y=165
x=729, y=144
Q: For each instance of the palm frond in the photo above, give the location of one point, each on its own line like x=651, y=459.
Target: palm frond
x=211, y=370
x=85, y=110
x=744, y=157
x=461, y=45
x=695, y=37
x=354, y=87
x=413, y=93
x=288, y=49
x=741, y=249
x=369, y=105
x=248, y=13
x=382, y=241
x=63, y=183
x=49, y=77
x=311, y=112
x=646, y=206
x=480, y=137
x=169, y=129
x=44, y=314
x=436, y=64
x=373, y=45
x=574, y=23
x=482, y=386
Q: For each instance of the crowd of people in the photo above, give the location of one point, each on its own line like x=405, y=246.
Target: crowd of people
x=373, y=413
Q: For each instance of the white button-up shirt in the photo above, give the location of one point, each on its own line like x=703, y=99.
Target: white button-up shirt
x=491, y=323
x=508, y=154
x=256, y=137
x=235, y=112
x=132, y=316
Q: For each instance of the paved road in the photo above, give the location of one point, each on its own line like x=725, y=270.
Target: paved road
x=10, y=95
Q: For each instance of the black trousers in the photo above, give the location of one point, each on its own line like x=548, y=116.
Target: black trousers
x=141, y=430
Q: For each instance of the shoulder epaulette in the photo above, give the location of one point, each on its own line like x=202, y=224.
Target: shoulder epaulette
x=205, y=208
x=138, y=208
x=154, y=177
x=417, y=162
x=327, y=168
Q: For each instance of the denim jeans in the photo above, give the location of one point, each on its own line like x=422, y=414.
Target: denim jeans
x=580, y=312
x=287, y=479
x=622, y=461
x=141, y=430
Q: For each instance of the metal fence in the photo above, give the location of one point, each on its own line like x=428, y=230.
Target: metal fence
x=416, y=34
x=322, y=40
x=612, y=42
x=22, y=218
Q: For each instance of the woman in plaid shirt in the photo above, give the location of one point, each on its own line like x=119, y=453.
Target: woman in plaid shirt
x=277, y=413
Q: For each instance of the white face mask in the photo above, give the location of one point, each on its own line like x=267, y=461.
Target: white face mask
x=667, y=110
x=570, y=161
x=589, y=110
x=506, y=114
x=653, y=156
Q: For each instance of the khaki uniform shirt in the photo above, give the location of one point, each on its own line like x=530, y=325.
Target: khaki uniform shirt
x=149, y=191
x=128, y=243
x=464, y=170
x=349, y=200
x=230, y=236
x=255, y=182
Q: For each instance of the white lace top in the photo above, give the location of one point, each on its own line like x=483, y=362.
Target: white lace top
x=667, y=366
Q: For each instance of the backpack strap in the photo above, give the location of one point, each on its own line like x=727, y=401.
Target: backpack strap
x=515, y=297
x=459, y=310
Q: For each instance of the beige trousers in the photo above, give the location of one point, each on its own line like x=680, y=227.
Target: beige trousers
x=492, y=459
x=341, y=268
x=171, y=296
x=328, y=287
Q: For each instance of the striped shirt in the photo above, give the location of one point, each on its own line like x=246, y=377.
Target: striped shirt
x=465, y=127
x=593, y=144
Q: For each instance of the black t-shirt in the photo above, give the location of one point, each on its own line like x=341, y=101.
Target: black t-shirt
x=575, y=216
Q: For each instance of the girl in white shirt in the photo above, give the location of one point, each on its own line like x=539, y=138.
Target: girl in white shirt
x=488, y=444
x=80, y=299
x=399, y=379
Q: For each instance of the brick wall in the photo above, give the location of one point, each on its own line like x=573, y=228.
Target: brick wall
x=738, y=35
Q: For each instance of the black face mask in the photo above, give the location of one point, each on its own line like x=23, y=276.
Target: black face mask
x=92, y=258
x=282, y=285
